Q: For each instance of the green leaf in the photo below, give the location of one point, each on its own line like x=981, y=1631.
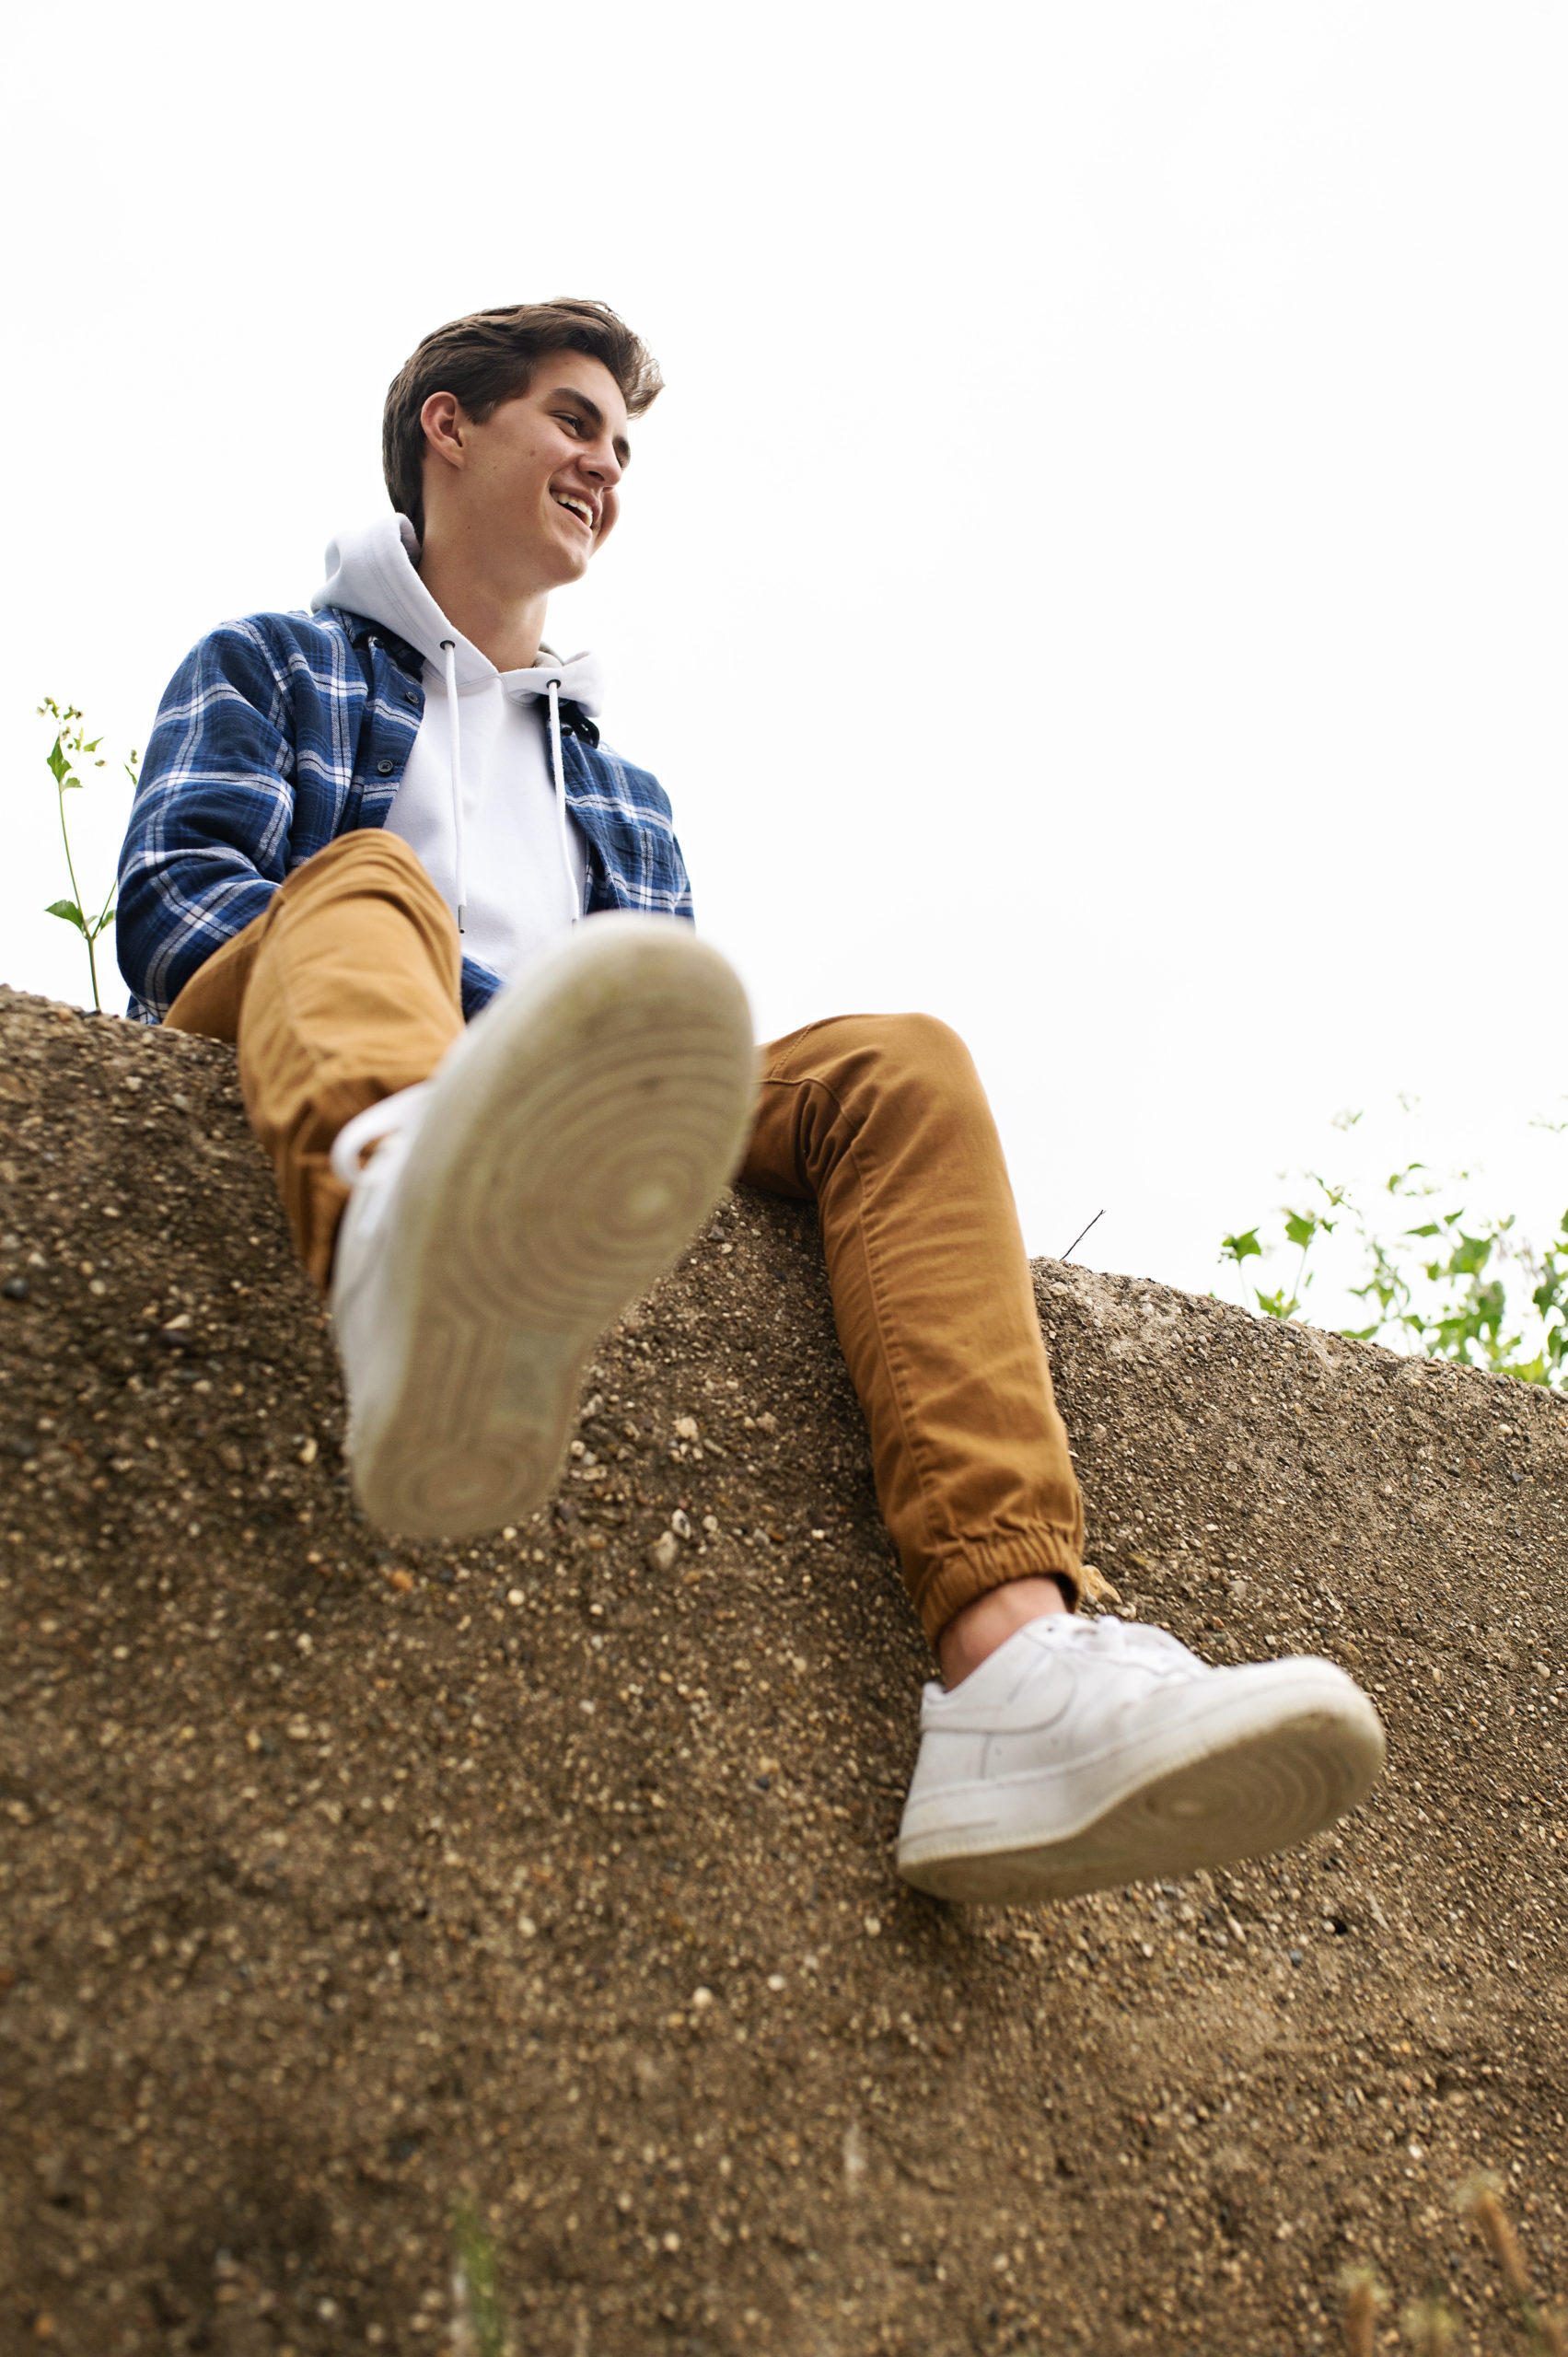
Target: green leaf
x=68, y=911
x=1276, y=1304
x=1470, y=1255
x=476, y=2290
x=57, y=763
x=1241, y=1248
x=1302, y=1226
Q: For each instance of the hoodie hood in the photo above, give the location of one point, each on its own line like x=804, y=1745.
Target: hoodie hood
x=371, y=572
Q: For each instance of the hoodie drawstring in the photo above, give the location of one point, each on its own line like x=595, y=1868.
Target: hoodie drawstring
x=573, y=897
x=562, y=832
x=450, y=649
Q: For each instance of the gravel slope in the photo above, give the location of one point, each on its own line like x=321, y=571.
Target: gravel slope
x=342, y=1879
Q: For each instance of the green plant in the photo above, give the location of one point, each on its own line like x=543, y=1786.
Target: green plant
x=71, y=745
x=1430, y=2328
x=1301, y=1229
x=1447, y=1284
x=478, y=2328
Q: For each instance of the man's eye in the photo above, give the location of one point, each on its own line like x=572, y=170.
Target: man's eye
x=568, y=417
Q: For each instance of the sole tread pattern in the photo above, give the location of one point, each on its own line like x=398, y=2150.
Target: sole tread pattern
x=1263, y=1792
x=565, y=1168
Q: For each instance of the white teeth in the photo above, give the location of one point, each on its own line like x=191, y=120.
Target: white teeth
x=579, y=507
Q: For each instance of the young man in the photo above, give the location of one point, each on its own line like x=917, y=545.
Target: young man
x=381, y=848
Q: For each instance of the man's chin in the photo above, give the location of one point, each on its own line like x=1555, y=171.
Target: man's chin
x=573, y=560
x=557, y=568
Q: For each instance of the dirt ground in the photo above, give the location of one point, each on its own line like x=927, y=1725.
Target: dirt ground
x=342, y=1879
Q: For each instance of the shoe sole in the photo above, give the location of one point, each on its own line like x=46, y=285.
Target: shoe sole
x=585, y=1125
x=1260, y=1773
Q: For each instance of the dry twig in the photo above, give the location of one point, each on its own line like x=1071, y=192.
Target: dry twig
x=1363, y=2296
x=1480, y=2198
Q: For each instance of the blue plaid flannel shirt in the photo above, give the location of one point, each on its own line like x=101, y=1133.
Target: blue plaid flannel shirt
x=278, y=734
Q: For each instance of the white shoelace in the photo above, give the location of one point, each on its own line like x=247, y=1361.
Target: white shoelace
x=1157, y=1648
x=389, y=1117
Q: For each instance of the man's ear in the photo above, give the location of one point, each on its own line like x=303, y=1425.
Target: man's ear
x=445, y=424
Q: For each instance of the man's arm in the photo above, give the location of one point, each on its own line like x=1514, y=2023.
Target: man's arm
x=251, y=769
x=208, y=840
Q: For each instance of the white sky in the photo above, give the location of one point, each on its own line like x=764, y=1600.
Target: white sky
x=1096, y=573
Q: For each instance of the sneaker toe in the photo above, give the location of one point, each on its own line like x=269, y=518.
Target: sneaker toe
x=1252, y=1761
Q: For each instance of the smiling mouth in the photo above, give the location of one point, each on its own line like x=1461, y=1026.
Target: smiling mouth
x=575, y=507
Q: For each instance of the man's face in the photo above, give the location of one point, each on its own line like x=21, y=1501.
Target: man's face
x=541, y=473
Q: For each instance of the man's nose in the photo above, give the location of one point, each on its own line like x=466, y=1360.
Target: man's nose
x=601, y=462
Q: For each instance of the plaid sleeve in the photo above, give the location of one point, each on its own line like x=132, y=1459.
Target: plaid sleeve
x=635, y=859
x=479, y=984
x=207, y=842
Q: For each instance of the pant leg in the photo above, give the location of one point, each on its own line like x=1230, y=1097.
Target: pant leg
x=347, y=988
x=882, y=1120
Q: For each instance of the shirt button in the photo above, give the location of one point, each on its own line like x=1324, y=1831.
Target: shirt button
x=411, y=695
x=383, y=769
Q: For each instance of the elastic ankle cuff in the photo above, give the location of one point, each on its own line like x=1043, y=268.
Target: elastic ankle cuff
x=960, y=1579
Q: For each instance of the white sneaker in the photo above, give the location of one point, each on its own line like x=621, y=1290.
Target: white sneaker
x=564, y=1151
x=1084, y=1754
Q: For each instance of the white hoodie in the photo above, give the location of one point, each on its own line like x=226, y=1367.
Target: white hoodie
x=523, y=871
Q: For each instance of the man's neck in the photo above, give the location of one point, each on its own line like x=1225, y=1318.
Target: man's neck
x=504, y=623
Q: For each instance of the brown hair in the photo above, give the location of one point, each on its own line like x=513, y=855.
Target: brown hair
x=489, y=357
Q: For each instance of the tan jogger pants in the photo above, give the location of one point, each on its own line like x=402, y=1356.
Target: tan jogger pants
x=347, y=988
